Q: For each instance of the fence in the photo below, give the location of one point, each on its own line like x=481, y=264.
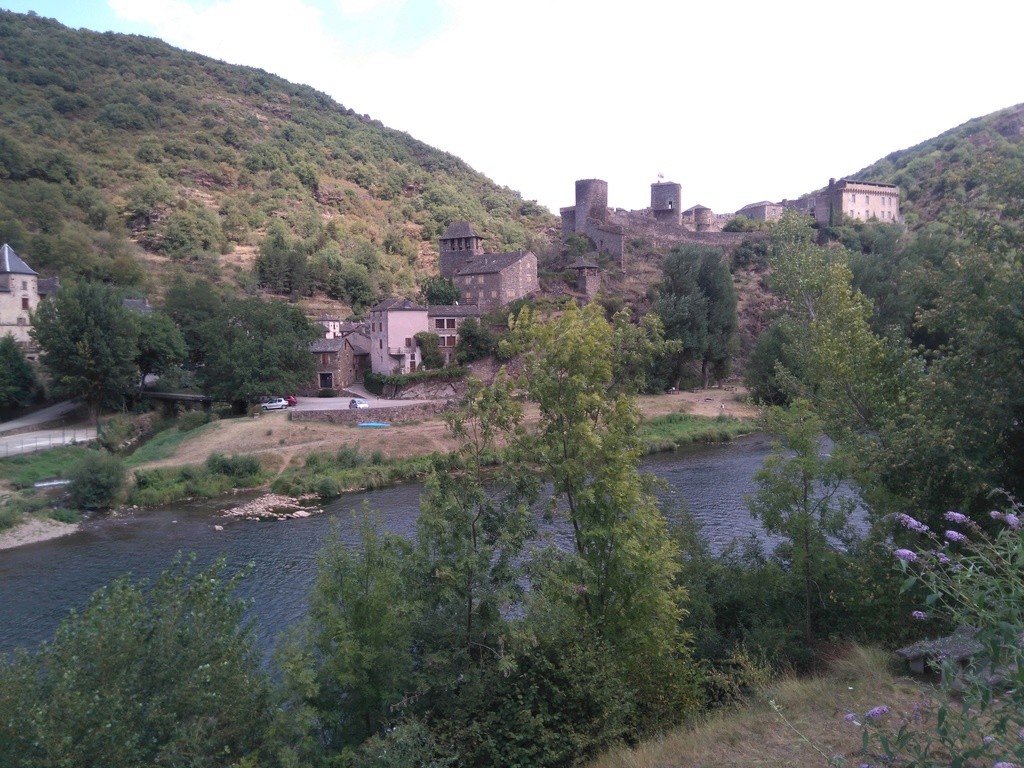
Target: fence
x=30, y=442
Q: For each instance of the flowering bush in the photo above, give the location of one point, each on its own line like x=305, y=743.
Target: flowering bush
x=976, y=580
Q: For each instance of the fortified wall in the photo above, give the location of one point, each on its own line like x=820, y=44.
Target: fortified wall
x=663, y=225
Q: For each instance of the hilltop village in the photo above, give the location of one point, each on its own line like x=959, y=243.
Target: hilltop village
x=386, y=342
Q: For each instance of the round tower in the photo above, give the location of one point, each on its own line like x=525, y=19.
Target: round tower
x=665, y=198
x=591, y=200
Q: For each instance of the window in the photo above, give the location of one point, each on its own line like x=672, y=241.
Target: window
x=439, y=322
x=24, y=302
x=867, y=199
x=450, y=322
x=853, y=198
x=408, y=342
x=380, y=343
x=24, y=285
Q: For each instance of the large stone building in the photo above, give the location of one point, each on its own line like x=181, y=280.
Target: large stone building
x=21, y=290
x=591, y=218
x=488, y=280
x=858, y=200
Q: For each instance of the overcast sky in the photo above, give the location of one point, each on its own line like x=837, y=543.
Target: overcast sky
x=736, y=101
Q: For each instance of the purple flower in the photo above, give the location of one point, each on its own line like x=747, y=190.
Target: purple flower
x=1012, y=520
x=877, y=712
x=995, y=514
x=906, y=555
x=919, y=615
x=956, y=536
x=956, y=517
x=942, y=557
x=1020, y=734
x=910, y=523
x=988, y=740
x=1004, y=764
x=850, y=717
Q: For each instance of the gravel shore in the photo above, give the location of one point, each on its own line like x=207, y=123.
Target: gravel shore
x=34, y=529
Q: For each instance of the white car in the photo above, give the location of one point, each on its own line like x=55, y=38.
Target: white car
x=275, y=403
x=358, y=402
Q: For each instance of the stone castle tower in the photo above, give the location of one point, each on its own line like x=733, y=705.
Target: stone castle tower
x=665, y=197
x=458, y=245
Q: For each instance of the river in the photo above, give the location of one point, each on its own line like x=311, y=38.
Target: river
x=40, y=583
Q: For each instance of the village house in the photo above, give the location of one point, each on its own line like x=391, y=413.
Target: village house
x=21, y=290
x=488, y=280
x=394, y=324
x=342, y=356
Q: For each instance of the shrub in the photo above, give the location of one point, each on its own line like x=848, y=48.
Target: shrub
x=96, y=481
x=327, y=392
x=236, y=467
x=192, y=420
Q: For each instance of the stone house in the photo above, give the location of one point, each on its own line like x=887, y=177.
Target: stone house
x=21, y=290
x=489, y=280
x=342, y=357
x=762, y=211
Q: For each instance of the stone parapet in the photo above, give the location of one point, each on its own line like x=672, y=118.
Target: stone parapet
x=398, y=414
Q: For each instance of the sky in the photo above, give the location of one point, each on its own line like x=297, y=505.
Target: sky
x=735, y=100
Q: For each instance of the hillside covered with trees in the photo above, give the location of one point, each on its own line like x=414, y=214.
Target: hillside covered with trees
x=123, y=159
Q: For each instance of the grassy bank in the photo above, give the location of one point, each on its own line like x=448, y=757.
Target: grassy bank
x=676, y=430
x=793, y=722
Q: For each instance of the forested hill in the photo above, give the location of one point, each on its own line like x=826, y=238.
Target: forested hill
x=972, y=175
x=123, y=158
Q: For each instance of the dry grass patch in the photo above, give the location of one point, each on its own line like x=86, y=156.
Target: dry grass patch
x=796, y=722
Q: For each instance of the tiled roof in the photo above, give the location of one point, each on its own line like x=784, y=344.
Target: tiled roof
x=453, y=310
x=459, y=229
x=397, y=304
x=11, y=263
x=327, y=345
x=491, y=263
x=360, y=344
x=48, y=285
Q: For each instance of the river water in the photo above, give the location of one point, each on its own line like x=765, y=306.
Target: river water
x=40, y=583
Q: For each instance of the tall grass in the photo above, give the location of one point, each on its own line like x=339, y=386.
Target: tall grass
x=219, y=475
x=328, y=475
x=24, y=471
x=667, y=433
x=793, y=722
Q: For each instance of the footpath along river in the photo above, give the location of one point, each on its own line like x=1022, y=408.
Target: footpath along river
x=40, y=583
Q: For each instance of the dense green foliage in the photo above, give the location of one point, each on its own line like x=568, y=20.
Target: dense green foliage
x=696, y=302
x=101, y=131
x=254, y=349
x=18, y=383
x=90, y=344
x=164, y=675
x=96, y=481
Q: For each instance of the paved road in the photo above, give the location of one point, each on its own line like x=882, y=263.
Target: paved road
x=29, y=442
x=42, y=416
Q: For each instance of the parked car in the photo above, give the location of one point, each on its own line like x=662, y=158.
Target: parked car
x=291, y=400
x=275, y=403
x=358, y=402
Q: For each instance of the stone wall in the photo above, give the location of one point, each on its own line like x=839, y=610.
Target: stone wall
x=397, y=414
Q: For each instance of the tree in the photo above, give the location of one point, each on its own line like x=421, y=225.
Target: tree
x=351, y=657
x=798, y=497
x=161, y=345
x=440, y=291
x=190, y=303
x=18, y=383
x=256, y=348
x=144, y=675
x=96, y=481
x=585, y=443
x=430, y=350
x=619, y=582
x=696, y=302
x=476, y=341
x=89, y=343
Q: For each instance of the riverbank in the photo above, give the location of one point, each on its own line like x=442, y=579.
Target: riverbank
x=34, y=529
x=283, y=446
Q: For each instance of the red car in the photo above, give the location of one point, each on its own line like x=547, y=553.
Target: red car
x=291, y=400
